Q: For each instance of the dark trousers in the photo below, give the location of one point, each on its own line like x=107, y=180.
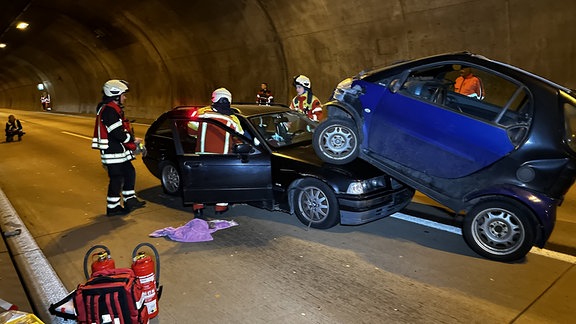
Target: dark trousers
x=122, y=178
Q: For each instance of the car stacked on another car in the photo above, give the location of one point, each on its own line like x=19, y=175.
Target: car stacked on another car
x=272, y=165
x=505, y=158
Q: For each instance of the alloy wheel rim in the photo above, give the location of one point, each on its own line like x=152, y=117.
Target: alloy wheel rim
x=313, y=204
x=498, y=231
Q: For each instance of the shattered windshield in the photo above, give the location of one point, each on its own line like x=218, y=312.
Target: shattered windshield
x=286, y=128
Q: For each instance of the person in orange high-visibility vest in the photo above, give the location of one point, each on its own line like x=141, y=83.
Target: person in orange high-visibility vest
x=213, y=139
x=305, y=101
x=468, y=84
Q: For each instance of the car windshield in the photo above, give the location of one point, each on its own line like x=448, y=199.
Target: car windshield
x=284, y=128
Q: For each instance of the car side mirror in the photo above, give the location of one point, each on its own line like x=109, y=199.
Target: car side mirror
x=244, y=150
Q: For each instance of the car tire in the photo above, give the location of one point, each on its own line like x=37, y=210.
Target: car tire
x=336, y=140
x=170, y=178
x=500, y=229
x=315, y=204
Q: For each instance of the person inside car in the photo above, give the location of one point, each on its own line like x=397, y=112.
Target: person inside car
x=212, y=139
x=13, y=128
x=305, y=101
x=468, y=84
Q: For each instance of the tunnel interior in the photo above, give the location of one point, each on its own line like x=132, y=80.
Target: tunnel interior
x=176, y=52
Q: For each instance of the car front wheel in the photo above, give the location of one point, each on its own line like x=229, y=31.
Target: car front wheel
x=500, y=229
x=336, y=141
x=315, y=204
x=170, y=178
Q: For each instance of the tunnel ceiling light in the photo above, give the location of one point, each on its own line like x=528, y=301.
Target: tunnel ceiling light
x=40, y=86
x=22, y=25
x=2, y=45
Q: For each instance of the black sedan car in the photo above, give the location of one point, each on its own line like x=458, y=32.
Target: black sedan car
x=271, y=165
x=484, y=138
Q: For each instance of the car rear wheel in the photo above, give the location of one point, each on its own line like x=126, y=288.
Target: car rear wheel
x=170, y=178
x=315, y=204
x=500, y=229
x=336, y=140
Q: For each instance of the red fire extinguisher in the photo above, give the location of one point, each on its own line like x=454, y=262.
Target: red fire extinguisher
x=148, y=272
x=100, y=261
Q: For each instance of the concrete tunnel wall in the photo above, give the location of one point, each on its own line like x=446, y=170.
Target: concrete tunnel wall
x=176, y=52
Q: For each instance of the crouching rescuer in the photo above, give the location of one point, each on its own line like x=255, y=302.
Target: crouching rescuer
x=114, y=138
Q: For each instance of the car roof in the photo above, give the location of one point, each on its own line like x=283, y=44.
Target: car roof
x=242, y=109
x=469, y=57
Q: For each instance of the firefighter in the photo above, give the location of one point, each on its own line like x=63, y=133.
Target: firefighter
x=213, y=139
x=114, y=137
x=13, y=128
x=264, y=96
x=45, y=100
x=305, y=101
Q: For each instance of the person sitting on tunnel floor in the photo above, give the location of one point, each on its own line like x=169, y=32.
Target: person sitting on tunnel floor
x=13, y=128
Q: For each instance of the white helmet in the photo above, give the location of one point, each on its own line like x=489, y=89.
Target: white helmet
x=221, y=93
x=113, y=88
x=303, y=81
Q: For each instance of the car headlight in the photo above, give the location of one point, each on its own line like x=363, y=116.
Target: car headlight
x=342, y=88
x=361, y=187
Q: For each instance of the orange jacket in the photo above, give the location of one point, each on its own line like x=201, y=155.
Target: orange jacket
x=313, y=109
x=469, y=85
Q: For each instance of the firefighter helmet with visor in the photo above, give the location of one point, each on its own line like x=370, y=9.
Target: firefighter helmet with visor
x=113, y=88
x=221, y=93
x=302, y=80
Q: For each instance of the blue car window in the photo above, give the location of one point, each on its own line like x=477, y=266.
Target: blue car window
x=495, y=100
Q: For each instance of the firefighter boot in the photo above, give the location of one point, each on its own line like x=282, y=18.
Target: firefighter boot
x=221, y=208
x=133, y=203
x=198, y=210
x=117, y=211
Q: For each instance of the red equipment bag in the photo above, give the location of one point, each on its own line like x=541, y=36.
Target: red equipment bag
x=111, y=296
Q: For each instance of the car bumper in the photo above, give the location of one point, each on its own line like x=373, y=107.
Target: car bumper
x=360, y=211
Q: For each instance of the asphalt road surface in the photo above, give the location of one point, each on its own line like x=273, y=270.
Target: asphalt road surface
x=270, y=268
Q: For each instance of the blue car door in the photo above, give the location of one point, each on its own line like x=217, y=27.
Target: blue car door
x=429, y=137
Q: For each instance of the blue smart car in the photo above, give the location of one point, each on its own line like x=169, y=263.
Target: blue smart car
x=503, y=154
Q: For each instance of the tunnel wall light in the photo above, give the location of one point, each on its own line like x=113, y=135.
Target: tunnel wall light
x=40, y=86
x=22, y=25
x=2, y=45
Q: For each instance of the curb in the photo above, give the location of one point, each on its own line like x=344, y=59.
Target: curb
x=39, y=278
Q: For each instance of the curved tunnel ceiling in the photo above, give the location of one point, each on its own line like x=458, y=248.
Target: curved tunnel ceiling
x=176, y=52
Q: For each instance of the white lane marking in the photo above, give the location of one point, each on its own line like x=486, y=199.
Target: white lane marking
x=456, y=230
x=554, y=255
x=81, y=136
x=429, y=223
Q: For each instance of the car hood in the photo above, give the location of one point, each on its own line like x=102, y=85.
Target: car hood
x=304, y=157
